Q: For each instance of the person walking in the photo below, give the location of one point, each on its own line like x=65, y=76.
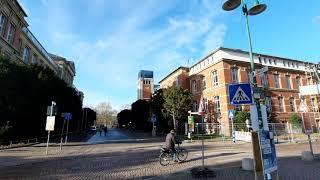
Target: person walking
x=105, y=130
x=100, y=130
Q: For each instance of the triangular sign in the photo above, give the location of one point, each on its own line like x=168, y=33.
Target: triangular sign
x=240, y=95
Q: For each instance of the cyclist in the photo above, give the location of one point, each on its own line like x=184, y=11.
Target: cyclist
x=170, y=144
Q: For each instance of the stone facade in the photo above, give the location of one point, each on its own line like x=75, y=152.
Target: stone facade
x=11, y=23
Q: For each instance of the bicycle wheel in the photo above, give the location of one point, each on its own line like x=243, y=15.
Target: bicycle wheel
x=164, y=159
x=182, y=154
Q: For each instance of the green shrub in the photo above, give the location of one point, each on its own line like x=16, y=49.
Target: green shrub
x=296, y=121
x=241, y=117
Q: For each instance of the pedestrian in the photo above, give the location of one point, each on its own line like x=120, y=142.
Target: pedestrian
x=105, y=129
x=100, y=130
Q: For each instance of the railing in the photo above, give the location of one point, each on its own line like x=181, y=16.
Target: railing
x=283, y=132
x=20, y=143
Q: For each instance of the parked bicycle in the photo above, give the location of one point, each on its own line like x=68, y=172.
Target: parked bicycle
x=166, y=155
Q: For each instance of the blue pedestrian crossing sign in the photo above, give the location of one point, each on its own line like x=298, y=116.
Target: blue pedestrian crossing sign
x=240, y=94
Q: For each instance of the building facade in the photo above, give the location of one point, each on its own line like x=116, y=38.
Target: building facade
x=209, y=79
x=145, y=85
x=11, y=23
x=179, y=77
x=65, y=69
x=19, y=44
x=32, y=52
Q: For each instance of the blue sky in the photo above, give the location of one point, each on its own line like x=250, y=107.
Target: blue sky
x=111, y=40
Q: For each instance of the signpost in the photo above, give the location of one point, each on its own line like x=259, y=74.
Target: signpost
x=231, y=113
x=268, y=151
x=306, y=125
x=50, y=122
x=153, y=120
x=201, y=111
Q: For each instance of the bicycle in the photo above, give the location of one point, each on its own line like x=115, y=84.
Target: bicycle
x=166, y=156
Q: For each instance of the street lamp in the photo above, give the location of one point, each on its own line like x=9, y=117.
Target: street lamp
x=256, y=9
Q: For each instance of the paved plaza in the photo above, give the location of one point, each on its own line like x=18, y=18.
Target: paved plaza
x=125, y=155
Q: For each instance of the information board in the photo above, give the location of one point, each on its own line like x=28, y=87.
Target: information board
x=268, y=151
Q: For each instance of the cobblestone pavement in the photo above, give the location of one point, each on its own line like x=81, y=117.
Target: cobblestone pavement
x=139, y=160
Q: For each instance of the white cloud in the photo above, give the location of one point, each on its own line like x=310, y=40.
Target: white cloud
x=113, y=58
x=214, y=39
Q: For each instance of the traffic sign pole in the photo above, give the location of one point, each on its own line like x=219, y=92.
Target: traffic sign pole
x=308, y=134
x=66, y=140
x=47, y=142
x=51, y=113
x=61, y=138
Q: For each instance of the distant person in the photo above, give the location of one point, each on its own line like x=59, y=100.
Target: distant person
x=105, y=130
x=100, y=130
x=170, y=143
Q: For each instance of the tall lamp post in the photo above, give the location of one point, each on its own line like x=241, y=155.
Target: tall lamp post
x=256, y=9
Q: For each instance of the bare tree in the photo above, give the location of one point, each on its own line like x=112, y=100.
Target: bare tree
x=105, y=114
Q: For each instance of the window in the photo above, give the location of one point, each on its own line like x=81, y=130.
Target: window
x=264, y=79
x=308, y=81
x=206, y=104
x=10, y=35
x=234, y=74
x=260, y=60
x=248, y=75
x=276, y=81
x=288, y=83
x=298, y=81
x=204, y=84
x=215, y=78
x=2, y=18
x=177, y=81
x=265, y=60
x=217, y=104
x=26, y=54
x=292, y=104
x=284, y=63
x=268, y=104
x=193, y=86
x=195, y=106
x=275, y=62
x=34, y=59
x=270, y=61
x=312, y=107
x=280, y=103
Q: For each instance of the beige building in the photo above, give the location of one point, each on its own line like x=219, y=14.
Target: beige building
x=11, y=23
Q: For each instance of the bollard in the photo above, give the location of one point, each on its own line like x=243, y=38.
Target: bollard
x=10, y=144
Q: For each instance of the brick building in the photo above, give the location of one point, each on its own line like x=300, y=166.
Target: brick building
x=179, y=77
x=209, y=78
x=145, y=85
